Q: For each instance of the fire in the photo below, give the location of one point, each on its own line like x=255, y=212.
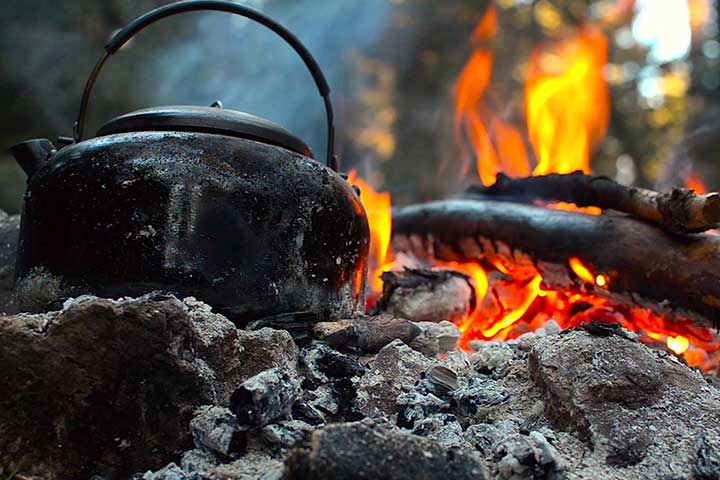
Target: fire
x=378, y=208
x=567, y=101
x=567, y=108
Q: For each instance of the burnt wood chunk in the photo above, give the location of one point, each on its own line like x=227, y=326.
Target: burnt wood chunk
x=366, y=333
x=644, y=266
x=424, y=295
x=263, y=398
x=371, y=451
x=680, y=211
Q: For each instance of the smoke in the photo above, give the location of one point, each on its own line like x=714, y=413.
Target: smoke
x=249, y=68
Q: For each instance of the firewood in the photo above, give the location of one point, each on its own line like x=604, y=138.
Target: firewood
x=645, y=266
x=680, y=211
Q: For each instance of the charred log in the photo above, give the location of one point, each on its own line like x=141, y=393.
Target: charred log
x=646, y=266
x=424, y=295
x=680, y=211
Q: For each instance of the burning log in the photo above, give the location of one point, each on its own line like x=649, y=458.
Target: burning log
x=638, y=262
x=680, y=211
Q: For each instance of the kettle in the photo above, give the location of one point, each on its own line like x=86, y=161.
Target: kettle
x=203, y=201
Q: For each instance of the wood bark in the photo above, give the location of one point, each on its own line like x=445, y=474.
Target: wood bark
x=672, y=274
x=680, y=211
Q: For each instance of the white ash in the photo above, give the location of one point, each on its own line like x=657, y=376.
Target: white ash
x=549, y=406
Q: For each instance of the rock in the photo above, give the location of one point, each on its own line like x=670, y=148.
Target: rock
x=386, y=454
x=215, y=428
x=436, y=338
x=521, y=457
x=266, y=397
x=632, y=405
x=394, y=370
x=9, y=232
x=127, y=374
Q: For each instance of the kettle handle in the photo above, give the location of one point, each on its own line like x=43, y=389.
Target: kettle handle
x=125, y=34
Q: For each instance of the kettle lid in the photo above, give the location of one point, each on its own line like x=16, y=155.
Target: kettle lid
x=206, y=120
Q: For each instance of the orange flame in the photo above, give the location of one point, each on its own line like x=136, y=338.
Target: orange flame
x=378, y=208
x=567, y=113
x=567, y=101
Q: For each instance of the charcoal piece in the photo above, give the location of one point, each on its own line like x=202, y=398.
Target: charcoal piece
x=604, y=329
x=305, y=412
x=170, y=472
x=424, y=295
x=298, y=324
x=484, y=437
x=479, y=397
x=324, y=399
x=200, y=462
x=436, y=338
x=286, y=434
x=415, y=406
x=263, y=398
x=322, y=363
x=442, y=428
x=366, y=451
x=443, y=379
x=394, y=370
x=253, y=465
x=707, y=456
x=366, y=333
x=529, y=457
x=215, y=428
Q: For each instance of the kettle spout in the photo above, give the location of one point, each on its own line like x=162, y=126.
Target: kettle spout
x=31, y=154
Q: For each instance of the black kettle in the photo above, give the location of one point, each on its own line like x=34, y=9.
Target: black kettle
x=203, y=201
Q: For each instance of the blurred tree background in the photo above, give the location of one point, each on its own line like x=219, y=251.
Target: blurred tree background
x=393, y=66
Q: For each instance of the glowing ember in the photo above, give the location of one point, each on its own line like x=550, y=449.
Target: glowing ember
x=678, y=344
x=583, y=272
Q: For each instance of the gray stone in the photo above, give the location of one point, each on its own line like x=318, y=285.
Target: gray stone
x=632, y=405
x=394, y=370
